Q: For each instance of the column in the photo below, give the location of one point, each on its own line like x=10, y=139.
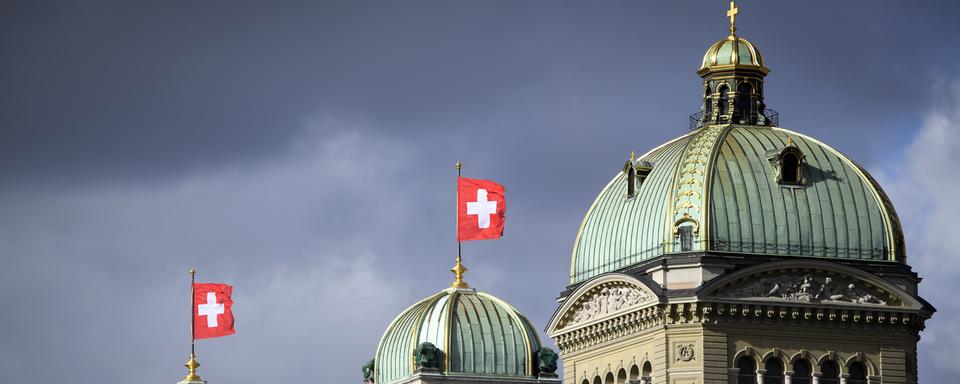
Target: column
x=844, y=377
x=787, y=376
x=816, y=377
x=760, y=373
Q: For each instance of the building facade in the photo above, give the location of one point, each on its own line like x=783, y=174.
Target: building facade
x=740, y=252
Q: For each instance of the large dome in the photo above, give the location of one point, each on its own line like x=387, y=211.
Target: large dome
x=477, y=334
x=723, y=182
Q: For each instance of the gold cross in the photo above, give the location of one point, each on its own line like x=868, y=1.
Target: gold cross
x=732, y=14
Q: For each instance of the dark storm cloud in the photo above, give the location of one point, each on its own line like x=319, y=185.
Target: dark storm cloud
x=140, y=90
x=307, y=148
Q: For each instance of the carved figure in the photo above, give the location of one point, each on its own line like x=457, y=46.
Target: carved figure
x=607, y=300
x=546, y=361
x=368, y=372
x=427, y=356
x=807, y=288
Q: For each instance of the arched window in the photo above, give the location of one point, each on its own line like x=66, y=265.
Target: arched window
x=647, y=373
x=597, y=380
x=634, y=373
x=585, y=381
x=774, y=374
x=858, y=373
x=744, y=106
x=630, y=171
x=686, y=237
x=622, y=376
x=790, y=167
x=722, y=101
x=748, y=372
x=609, y=379
x=830, y=372
x=802, y=373
x=707, y=105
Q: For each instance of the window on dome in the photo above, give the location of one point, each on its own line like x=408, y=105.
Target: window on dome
x=790, y=173
x=744, y=106
x=686, y=238
x=631, y=179
x=722, y=107
x=707, y=105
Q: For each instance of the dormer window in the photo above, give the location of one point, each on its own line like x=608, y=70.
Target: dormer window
x=789, y=164
x=790, y=168
x=636, y=171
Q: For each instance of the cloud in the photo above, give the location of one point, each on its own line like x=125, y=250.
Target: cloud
x=924, y=188
x=94, y=280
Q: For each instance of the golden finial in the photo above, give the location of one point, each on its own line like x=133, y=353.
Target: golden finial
x=732, y=14
x=459, y=165
x=192, y=376
x=458, y=271
x=633, y=155
x=789, y=141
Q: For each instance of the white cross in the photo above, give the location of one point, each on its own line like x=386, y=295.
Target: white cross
x=211, y=309
x=482, y=208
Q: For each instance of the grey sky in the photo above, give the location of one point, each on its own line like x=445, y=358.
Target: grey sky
x=303, y=152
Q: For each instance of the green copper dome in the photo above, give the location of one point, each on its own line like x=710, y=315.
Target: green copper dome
x=722, y=187
x=478, y=335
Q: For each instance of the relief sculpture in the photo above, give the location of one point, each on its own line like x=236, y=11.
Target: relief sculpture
x=809, y=288
x=607, y=300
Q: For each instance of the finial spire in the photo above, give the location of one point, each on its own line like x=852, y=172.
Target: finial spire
x=458, y=271
x=192, y=376
x=633, y=156
x=732, y=14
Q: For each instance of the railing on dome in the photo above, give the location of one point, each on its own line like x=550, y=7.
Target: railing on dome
x=770, y=117
x=872, y=254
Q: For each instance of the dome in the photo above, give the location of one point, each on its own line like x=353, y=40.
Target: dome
x=732, y=50
x=723, y=182
x=477, y=334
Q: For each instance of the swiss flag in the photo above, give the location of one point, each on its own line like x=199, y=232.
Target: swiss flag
x=212, y=314
x=480, y=209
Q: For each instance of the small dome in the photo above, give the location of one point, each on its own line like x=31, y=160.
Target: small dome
x=733, y=50
x=477, y=334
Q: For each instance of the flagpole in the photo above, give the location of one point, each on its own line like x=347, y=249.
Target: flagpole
x=458, y=269
x=457, y=210
x=193, y=313
x=192, y=364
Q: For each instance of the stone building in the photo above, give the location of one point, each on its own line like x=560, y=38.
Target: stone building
x=740, y=252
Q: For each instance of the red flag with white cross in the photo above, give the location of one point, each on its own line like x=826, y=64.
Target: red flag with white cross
x=480, y=209
x=212, y=314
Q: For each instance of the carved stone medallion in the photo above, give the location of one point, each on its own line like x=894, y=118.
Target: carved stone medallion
x=686, y=352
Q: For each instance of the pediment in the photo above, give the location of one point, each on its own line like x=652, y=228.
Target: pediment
x=809, y=282
x=600, y=299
